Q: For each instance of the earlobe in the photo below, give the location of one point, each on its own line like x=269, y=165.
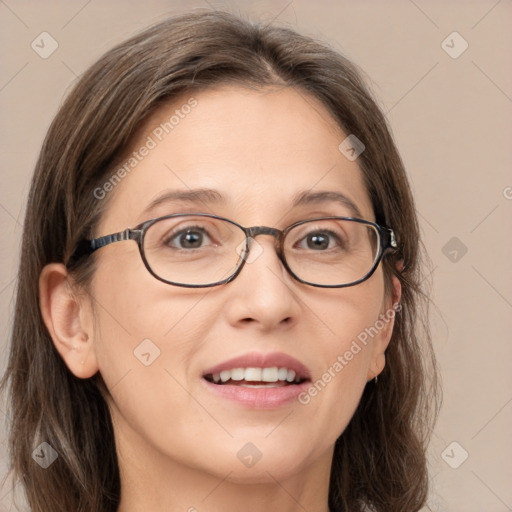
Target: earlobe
x=63, y=315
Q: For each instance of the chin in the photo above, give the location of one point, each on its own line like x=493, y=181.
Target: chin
x=250, y=465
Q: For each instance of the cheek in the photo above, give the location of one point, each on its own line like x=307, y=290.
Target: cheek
x=344, y=355
x=333, y=397
x=130, y=301
x=145, y=339
x=143, y=324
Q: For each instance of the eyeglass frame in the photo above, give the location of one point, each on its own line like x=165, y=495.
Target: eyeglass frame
x=387, y=243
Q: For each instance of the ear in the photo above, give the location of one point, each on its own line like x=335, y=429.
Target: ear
x=391, y=306
x=65, y=317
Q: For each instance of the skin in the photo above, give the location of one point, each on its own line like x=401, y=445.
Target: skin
x=177, y=443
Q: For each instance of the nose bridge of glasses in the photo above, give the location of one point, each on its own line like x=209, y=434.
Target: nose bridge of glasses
x=263, y=230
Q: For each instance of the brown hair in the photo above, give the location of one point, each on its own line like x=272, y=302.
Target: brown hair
x=380, y=459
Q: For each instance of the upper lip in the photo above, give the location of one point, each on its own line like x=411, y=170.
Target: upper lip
x=260, y=360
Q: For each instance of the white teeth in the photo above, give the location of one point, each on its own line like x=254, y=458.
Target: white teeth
x=282, y=373
x=272, y=374
x=225, y=375
x=237, y=374
x=252, y=374
x=291, y=376
x=269, y=374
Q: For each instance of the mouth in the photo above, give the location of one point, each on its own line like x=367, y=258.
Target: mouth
x=253, y=377
x=258, y=381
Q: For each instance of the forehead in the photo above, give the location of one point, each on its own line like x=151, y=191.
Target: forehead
x=261, y=149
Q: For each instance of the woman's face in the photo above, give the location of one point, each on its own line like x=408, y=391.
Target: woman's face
x=153, y=342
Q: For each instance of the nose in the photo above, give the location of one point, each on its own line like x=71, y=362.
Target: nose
x=264, y=292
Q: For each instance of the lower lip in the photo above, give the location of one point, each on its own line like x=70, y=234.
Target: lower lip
x=258, y=398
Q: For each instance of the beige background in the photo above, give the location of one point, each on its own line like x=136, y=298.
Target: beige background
x=452, y=119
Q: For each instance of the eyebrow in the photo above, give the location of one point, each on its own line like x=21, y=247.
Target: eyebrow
x=211, y=196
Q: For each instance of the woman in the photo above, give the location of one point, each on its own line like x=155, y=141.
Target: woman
x=219, y=303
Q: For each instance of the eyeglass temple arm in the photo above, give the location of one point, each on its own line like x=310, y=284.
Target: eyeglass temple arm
x=86, y=247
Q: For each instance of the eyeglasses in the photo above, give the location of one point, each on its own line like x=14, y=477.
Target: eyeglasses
x=200, y=250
